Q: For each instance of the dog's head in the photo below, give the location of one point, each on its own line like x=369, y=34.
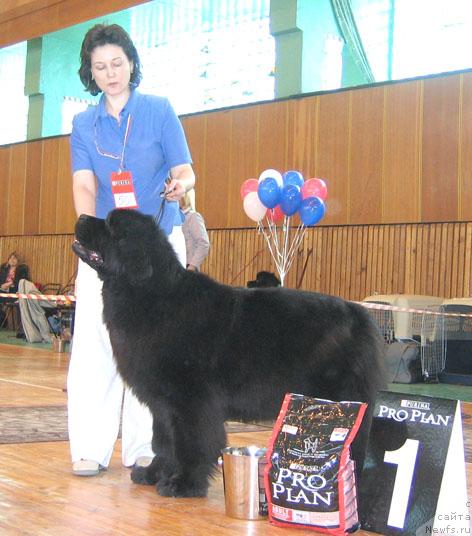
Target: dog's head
x=119, y=246
x=264, y=279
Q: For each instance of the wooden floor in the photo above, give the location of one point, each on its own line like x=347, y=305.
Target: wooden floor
x=39, y=496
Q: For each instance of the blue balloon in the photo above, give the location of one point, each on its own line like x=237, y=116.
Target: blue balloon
x=269, y=192
x=291, y=199
x=293, y=177
x=312, y=209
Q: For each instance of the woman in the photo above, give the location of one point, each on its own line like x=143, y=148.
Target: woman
x=197, y=242
x=11, y=272
x=122, y=152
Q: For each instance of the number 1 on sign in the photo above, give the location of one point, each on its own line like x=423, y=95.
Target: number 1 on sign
x=405, y=459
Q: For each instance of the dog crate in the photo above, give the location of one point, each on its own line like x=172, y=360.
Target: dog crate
x=384, y=320
x=433, y=343
x=458, y=335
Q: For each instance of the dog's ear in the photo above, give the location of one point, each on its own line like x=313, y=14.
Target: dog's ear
x=133, y=262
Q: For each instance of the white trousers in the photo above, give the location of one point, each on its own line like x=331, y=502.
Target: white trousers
x=97, y=398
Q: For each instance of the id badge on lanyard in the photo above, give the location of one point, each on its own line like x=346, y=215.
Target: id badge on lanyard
x=121, y=181
x=123, y=189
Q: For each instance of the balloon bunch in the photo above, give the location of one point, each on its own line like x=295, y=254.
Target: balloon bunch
x=278, y=197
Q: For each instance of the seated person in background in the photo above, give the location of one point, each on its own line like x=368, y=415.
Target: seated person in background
x=196, y=237
x=264, y=279
x=11, y=272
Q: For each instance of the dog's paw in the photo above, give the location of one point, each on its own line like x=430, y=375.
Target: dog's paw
x=180, y=488
x=143, y=475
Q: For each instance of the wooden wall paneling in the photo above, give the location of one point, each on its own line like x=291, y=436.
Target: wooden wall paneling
x=299, y=259
x=49, y=185
x=16, y=194
x=246, y=261
x=465, y=146
x=410, y=258
x=399, y=257
x=382, y=258
x=208, y=265
x=401, y=153
x=65, y=212
x=302, y=134
x=467, y=288
x=369, y=246
x=389, y=240
x=360, y=252
x=215, y=256
x=32, y=187
x=335, y=260
x=434, y=251
x=351, y=260
x=311, y=260
x=237, y=255
x=454, y=261
x=217, y=170
x=461, y=268
x=413, y=256
x=365, y=155
x=221, y=262
x=5, y=154
x=346, y=260
x=233, y=246
x=312, y=271
x=440, y=149
x=40, y=253
x=446, y=261
x=244, y=160
x=443, y=258
x=421, y=266
x=322, y=259
x=430, y=255
x=195, y=132
x=273, y=136
x=332, y=158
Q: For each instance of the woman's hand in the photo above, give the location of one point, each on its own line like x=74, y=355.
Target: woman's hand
x=5, y=287
x=182, y=179
x=175, y=190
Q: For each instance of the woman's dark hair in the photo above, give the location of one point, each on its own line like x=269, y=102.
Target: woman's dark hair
x=98, y=36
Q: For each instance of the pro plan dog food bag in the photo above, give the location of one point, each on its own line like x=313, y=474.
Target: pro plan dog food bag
x=310, y=478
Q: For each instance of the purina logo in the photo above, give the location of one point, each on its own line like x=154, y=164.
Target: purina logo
x=415, y=404
x=310, y=446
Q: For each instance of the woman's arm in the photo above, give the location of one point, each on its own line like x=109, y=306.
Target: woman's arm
x=84, y=187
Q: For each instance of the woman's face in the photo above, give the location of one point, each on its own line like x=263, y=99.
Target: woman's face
x=13, y=260
x=111, y=69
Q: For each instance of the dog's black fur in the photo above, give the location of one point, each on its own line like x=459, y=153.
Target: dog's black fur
x=198, y=352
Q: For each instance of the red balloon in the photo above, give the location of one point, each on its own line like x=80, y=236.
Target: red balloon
x=250, y=185
x=315, y=188
x=275, y=214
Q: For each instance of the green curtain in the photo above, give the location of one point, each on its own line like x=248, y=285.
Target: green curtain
x=342, y=10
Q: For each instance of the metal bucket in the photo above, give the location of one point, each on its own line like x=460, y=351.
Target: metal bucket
x=243, y=478
x=58, y=345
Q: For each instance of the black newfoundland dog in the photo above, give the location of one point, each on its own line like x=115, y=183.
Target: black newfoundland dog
x=199, y=353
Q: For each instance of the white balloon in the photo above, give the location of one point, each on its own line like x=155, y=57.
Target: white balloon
x=274, y=174
x=253, y=207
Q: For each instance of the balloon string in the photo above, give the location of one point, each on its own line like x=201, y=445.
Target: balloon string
x=281, y=248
